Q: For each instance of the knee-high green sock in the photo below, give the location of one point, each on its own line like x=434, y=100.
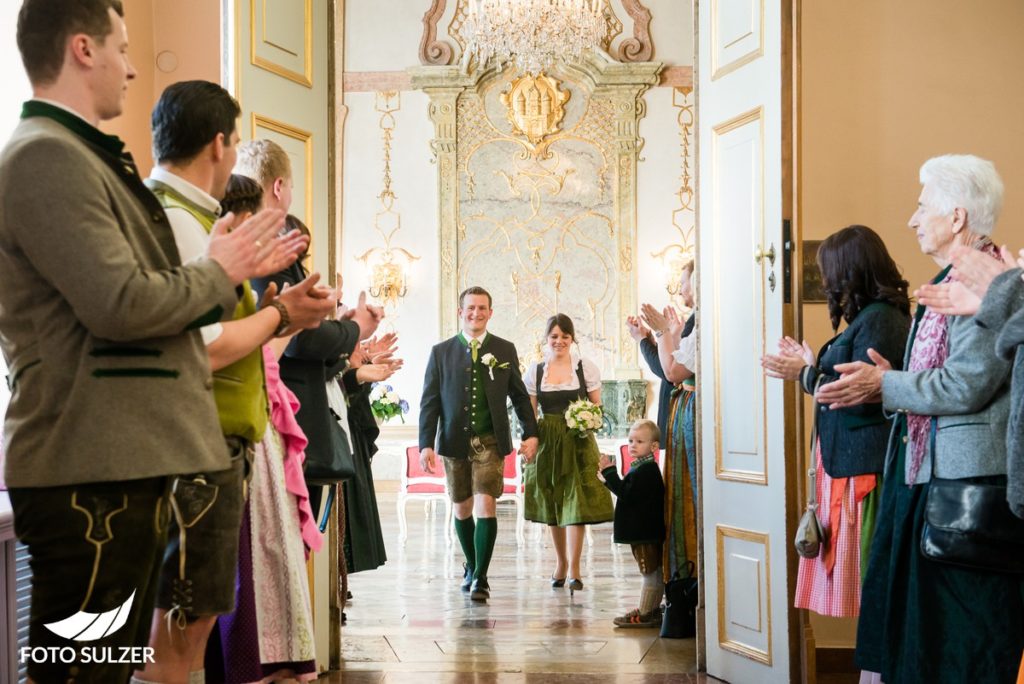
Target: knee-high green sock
x=464, y=530
x=486, y=533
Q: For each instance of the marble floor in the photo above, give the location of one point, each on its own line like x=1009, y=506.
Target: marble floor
x=409, y=622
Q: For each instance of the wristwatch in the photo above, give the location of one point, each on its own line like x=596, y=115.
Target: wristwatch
x=286, y=321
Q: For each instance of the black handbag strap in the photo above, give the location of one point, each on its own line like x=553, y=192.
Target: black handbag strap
x=933, y=430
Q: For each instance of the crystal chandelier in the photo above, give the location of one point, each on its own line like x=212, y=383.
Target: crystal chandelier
x=532, y=34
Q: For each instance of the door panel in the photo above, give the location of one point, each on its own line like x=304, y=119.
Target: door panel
x=742, y=418
x=280, y=77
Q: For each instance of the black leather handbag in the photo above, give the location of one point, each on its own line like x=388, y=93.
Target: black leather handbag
x=336, y=464
x=681, y=596
x=340, y=464
x=971, y=525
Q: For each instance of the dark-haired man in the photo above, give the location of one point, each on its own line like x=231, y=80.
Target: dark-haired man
x=194, y=140
x=110, y=385
x=468, y=381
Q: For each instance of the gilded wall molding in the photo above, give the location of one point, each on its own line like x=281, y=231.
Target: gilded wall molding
x=677, y=253
x=372, y=81
x=388, y=264
x=639, y=48
x=432, y=50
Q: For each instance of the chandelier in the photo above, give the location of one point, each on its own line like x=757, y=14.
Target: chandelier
x=532, y=34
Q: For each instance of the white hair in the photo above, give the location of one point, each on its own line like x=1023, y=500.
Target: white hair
x=966, y=182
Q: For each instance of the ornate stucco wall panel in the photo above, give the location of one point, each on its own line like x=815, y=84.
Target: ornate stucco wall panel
x=546, y=224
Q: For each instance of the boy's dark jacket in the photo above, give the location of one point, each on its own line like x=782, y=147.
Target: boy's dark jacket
x=640, y=505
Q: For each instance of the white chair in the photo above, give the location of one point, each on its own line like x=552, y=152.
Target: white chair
x=513, y=487
x=429, y=488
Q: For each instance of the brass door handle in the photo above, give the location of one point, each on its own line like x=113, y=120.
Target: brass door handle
x=761, y=254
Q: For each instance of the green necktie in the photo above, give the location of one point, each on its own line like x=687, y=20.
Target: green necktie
x=473, y=346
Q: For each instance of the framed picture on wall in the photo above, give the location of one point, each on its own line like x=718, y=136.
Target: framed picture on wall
x=813, y=290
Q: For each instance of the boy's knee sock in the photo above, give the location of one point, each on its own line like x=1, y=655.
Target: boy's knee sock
x=486, y=533
x=464, y=530
x=651, y=592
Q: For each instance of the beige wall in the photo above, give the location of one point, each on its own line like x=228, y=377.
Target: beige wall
x=886, y=85
x=190, y=30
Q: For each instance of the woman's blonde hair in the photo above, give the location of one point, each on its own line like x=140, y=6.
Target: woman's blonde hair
x=264, y=161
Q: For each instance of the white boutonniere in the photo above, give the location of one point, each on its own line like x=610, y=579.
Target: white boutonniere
x=492, y=363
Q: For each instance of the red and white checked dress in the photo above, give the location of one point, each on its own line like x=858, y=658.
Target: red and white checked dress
x=830, y=584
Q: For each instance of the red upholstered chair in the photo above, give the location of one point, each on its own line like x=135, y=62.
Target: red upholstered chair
x=625, y=460
x=513, y=489
x=418, y=484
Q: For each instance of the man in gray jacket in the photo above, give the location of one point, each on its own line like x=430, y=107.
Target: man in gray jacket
x=99, y=325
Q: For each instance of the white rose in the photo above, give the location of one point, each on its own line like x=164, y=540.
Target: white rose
x=488, y=359
x=571, y=422
x=392, y=397
x=585, y=416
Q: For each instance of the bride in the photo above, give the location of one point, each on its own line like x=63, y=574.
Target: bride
x=562, y=489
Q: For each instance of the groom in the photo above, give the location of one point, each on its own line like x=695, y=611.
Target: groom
x=468, y=379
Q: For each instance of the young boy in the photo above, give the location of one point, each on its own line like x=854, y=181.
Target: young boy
x=640, y=518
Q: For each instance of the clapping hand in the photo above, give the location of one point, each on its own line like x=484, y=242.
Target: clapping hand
x=637, y=330
x=307, y=307
x=366, y=316
x=382, y=349
x=377, y=372
x=791, y=359
x=976, y=270
x=675, y=323
x=860, y=383
x=950, y=299
x=973, y=273
x=654, y=319
x=254, y=249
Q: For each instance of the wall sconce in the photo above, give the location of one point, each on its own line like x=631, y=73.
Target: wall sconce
x=674, y=259
x=388, y=273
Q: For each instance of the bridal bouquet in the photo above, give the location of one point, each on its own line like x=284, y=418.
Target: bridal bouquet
x=584, y=417
x=386, y=404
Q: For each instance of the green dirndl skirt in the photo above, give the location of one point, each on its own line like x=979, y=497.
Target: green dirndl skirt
x=561, y=484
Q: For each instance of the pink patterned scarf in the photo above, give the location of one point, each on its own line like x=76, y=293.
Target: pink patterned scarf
x=930, y=350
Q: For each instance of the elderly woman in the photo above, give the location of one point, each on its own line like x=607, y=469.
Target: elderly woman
x=923, y=620
x=993, y=292
x=864, y=289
